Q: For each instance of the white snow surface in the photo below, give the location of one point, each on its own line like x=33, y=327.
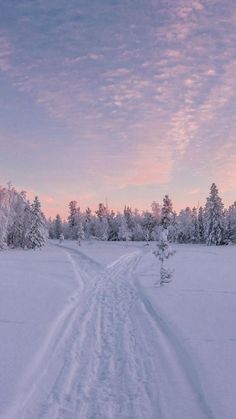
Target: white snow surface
x=85, y=334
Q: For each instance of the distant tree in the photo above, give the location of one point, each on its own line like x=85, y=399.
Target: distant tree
x=112, y=226
x=156, y=212
x=101, y=225
x=129, y=217
x=201, y=231
x=88, y=224
x=73, y=219
x=195, y=226
x=124, y=234
x=148, y=224
x=173, y=229
x=213, y=214
x=80, y=231
x=58, y=226
x=50, y=226
x=102, y=211
x=166, y=212
x=230, y=224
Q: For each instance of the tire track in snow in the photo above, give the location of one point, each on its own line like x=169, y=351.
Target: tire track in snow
x=76, y=341
x=93, y=377
x=179, y=366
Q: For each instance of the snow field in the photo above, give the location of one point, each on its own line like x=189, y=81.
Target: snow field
x=100, y=341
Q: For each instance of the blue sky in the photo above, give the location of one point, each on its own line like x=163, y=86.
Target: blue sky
x=127, y=100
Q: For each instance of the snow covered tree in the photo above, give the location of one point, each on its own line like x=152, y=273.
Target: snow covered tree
x=36, y=235
x=102, y=229
x=58, y=226
x=17, y=217
x=163, y=252
x=80, y=228
x=201, y=225
x=230, y=224
x=166, y=212
x=156, y=213
x=129, y=217
x=195, y=226
x=124, y=233
x=148, y=225
x=102, y=211
x=173, y=229
x=73, y=220
x=4, y=217
x=112, y=226
x=213, y=214
x=101, y=226
x=88, y=224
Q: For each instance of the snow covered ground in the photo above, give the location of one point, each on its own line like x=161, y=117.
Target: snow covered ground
x=85, y=334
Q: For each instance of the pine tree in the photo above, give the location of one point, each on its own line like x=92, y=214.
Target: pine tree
x=88, y=225
x=230, y=224
x=73, y=220
x=148, y=225
x=214, y=231
x=123, y=233
x=4, y=218
x=102, y=211
x=163, y=253
x=58, y=226
x=156, y=212
x=129, y=216
x=166, y=212
x=195, y=226
x=80, y=231
x=201, y=225
x=102, y=227
x=37, y=232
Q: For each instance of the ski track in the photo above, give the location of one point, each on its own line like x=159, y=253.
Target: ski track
x=111, y=355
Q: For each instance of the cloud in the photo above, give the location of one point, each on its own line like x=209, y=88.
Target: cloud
x=195, y=191
x=141, y=95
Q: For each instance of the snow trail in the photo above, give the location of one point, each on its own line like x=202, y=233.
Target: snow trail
x=111, y=355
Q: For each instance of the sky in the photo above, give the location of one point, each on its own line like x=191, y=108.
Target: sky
x=124, y=100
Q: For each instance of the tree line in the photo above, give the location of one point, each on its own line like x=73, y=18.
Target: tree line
x=22, y=223
x=211, y=224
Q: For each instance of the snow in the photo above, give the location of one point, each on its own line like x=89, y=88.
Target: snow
x=85, y=334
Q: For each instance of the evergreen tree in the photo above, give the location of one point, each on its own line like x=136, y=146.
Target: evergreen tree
x=37, y=231
x=58, y=226
x=73, y=219
x=195, y=226
x=201, y=225
x=102, y=211
x=80, y=231
x=156, y=212
x=213, y=214
x=124, y=233
x=129, y=217
x=166, y=212
x=102, y=227
x=148, y=225
x=163, y=253
x=230, y=224
x=88, y=225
